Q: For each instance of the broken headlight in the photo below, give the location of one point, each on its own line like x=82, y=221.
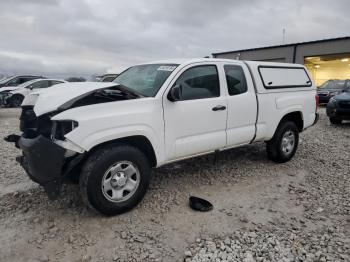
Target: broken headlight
x=61, y=128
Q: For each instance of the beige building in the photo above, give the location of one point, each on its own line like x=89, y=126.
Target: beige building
x=325, y=59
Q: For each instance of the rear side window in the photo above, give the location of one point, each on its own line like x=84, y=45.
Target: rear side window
x=235, y=78
x=199, y=82
x=284, y=77
x=40, y=84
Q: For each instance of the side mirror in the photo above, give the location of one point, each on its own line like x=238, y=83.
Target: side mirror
x=175, y=93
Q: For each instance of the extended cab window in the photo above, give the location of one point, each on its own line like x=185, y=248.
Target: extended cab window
x=235, y=78
x=284, y=77
x=199, y=82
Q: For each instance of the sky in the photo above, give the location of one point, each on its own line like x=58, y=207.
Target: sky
x=85, y=37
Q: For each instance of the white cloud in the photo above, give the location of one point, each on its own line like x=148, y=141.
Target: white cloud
x=91, y=36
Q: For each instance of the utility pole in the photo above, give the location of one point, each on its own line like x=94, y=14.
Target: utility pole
x=284, y=36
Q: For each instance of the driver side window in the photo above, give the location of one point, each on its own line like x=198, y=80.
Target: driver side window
x=199, y=82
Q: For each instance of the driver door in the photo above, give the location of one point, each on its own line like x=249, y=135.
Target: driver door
x=196, y=123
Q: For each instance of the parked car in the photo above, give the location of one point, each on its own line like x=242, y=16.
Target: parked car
x=338, y=107
x=331, y=88
x=108, y=77
x=14, y=96
x=16, y=80
x=108, y=136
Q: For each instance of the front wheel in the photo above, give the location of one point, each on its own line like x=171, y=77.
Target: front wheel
x=282, y=147
x=115, y=179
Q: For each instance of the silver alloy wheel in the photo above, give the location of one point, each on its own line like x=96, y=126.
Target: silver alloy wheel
x=288, y=142
x=120, y=181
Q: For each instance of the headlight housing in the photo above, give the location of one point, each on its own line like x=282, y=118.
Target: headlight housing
x=61, y=128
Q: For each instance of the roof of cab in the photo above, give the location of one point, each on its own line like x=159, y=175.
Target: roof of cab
x=181, y=61
x=186, y=61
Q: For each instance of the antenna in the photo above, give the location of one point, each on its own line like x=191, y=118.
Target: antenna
x=284, y=36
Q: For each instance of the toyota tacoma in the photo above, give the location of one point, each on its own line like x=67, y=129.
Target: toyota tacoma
x=108, y=136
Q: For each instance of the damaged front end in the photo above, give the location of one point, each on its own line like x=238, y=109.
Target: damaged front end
x=46, y=157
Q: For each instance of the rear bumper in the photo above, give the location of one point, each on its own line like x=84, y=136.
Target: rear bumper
x=43, y=161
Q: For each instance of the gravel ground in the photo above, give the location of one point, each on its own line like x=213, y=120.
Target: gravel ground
x=297, y=211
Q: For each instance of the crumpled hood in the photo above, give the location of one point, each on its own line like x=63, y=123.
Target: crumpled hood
x=8, y=89
x=50, y=99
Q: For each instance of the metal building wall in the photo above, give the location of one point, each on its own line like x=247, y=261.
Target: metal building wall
x=322, y=48
x=292, y=52
x=280, y=54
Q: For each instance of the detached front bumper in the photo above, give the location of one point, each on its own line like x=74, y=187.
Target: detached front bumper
x=43, y=161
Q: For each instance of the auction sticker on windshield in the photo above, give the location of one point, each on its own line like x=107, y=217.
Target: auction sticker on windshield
x=166, y=68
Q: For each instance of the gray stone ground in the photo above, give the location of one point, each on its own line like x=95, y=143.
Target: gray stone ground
x=297, y=211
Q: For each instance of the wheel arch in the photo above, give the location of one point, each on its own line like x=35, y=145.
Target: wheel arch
x=295, y=117
x=139, y=141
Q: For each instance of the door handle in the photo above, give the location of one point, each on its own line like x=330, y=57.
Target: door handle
x=219, y=108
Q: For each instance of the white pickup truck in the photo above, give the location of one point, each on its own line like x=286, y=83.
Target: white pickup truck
x=108, y=136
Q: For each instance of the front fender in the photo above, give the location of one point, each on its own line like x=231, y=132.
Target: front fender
x=106, y=122
x=91, y=140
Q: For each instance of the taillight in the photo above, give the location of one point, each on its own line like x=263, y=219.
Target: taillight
x=317, y=98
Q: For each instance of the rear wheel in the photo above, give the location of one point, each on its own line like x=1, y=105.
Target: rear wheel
x=282, y=147
x=335, y=121
x=115, y=179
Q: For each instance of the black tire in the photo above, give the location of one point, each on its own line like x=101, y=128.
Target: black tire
x=16, y=100
x=335, y=121
x=274, y=146
x=96, y=166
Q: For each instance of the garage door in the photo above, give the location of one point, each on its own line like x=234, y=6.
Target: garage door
x=328, y=68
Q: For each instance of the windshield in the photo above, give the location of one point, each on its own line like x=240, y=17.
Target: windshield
x=145, y=79
x=5, y=79
x=333, y=84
